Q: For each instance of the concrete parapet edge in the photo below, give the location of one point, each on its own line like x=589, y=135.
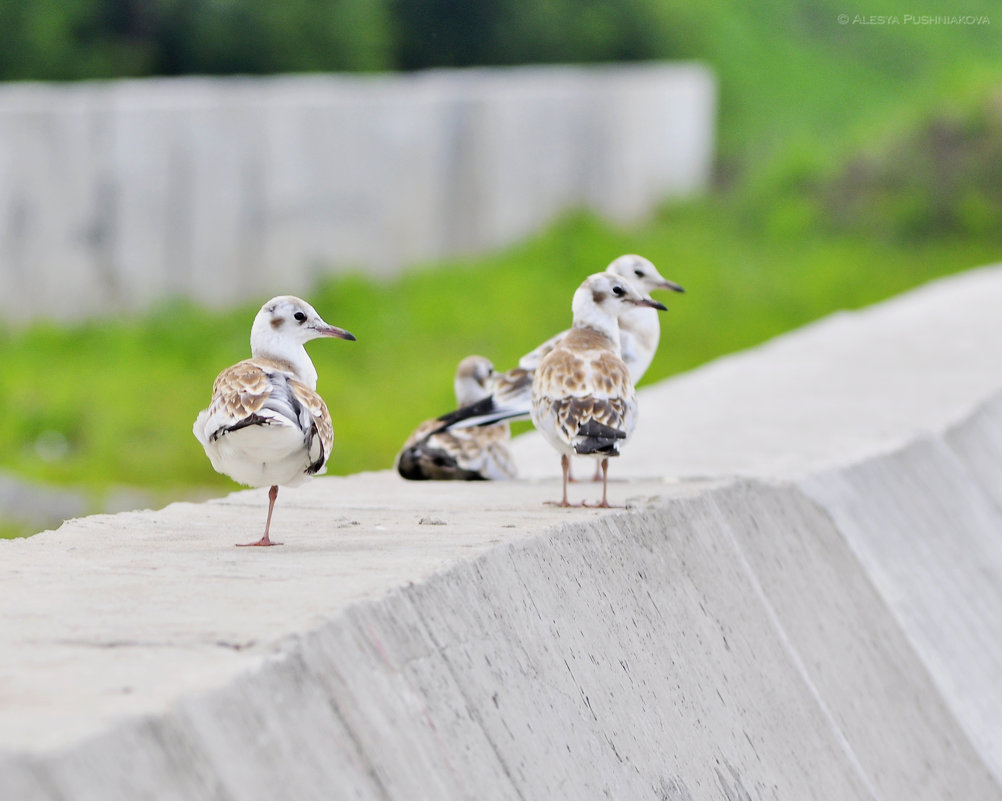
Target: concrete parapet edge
x=720, y=640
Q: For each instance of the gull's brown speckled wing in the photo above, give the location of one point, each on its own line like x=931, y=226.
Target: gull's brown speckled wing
x=253, y=391
x=512, y=387
x=468, y=454
x=583, y=395
x=238, y=392
x=320, y=441
x=426, y=428
x=590, y=418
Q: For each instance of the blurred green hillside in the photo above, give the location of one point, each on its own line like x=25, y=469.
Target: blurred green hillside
x=856, y=160
x=792, y=73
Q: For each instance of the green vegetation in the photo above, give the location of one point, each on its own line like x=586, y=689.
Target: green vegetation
x=117, y=38
x=117, y=400
x=41, y=40
x=856, y=161
x=10, y=531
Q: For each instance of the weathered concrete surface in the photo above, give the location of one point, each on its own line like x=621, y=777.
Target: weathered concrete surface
x=823, y=626
x=930, y=537
x=121, y=193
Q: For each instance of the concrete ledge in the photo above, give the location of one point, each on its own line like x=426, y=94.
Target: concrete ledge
x=827, y=628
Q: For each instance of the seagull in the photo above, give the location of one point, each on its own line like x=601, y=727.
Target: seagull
x=639, y=326
x=640, y=332
x=468, y=454
x=583, y=398
x=266, y=425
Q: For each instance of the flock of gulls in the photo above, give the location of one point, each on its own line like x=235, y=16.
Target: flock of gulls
x=266, y=426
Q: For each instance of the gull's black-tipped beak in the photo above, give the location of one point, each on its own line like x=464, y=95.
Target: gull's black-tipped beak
x=652, y=303
x=672, y=286
x=334, y=331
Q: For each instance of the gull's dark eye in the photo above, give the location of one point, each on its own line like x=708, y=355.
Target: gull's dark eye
x=638, y=273
x=300, y=317
x=618, y=291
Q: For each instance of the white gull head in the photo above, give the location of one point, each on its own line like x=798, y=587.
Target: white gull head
x=472, y=382
x=641, y=273
x=640, y=327
x=602, y=298
x=281, y=328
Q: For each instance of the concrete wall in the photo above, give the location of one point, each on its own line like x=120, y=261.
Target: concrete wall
x=824, y=624
x=118, y=194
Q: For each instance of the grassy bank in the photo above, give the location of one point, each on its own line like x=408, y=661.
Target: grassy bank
x=99, y=405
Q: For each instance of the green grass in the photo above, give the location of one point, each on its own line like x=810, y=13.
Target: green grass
x=792, y=77
x=120, y=397
x=12, y=531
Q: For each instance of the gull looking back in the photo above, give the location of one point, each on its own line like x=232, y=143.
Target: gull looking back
x=266, y=425
x=583, y=398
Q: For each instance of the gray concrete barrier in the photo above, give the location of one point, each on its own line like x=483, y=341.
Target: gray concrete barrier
x=118, y=194
x=821, y=621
